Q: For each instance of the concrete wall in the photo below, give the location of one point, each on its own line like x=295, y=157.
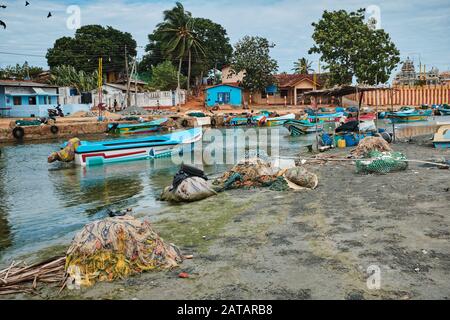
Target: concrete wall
x=145, y=99
x=26, y=111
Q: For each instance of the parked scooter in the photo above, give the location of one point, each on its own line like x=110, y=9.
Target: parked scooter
x=57, y=112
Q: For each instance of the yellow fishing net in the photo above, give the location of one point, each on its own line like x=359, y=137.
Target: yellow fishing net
x=117, y=247
x=67, y=154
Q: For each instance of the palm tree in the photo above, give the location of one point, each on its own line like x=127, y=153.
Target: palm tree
x=178, y=37
x=302, y=66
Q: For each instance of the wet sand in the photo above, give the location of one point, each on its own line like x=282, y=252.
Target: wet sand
x=318, y=244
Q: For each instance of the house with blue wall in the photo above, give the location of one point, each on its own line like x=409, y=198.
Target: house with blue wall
x=26, y=98
x=224, y=93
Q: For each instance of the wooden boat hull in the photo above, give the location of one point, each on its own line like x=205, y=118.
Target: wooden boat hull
x=297, y=128
x=140, y=128
x=104, y=152
x=363, y=117
x=279, y=121
x=333, y=117
x=415, y=118
x=410, y=115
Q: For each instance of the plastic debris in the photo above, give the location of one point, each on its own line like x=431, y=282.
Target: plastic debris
x=189, y=184
x=301, y=177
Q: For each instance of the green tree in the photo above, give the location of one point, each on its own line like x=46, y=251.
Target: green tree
x=164, y=77
x=68, y=76
x=90, y=43
x=20, y=72
x=350, y=47
x=302, y=66
x=252, y=55
x=178, y=37
x=213, y=38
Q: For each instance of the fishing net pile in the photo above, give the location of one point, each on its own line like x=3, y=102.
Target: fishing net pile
x=382, y=162
x=117, y=247
x=67, y=154
x=369, y=144
x=248, y=173
x=256, y=173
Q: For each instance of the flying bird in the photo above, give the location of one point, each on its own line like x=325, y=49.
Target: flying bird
x=27, y=3
x=3, y=24
x=3, y=6
x=49, y=15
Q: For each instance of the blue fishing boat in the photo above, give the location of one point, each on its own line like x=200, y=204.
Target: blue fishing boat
x=408, y=114
x=277, y=121
x=152, y=147
x=300, y=127
x=139, y=128
x=444, y=110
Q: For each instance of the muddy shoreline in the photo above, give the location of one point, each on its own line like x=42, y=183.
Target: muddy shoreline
x=262, y=244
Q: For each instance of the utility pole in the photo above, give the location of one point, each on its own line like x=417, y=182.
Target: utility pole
x=128, y=78
x=135, y=81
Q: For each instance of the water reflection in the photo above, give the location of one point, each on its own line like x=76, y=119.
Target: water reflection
x=42, y=205
x=5, y=230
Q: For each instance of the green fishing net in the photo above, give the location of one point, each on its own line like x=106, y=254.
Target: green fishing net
x=382, y=162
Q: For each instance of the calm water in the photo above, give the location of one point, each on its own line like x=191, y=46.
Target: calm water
x=43, y=204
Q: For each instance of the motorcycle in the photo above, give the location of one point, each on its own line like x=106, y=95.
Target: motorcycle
x=53, y=113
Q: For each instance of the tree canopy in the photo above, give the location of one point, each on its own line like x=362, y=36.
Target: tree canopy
x=164, y=77
x=252, y=55
x=90, y=43
x=20, y=72
x=212, y=37
x=350, y=47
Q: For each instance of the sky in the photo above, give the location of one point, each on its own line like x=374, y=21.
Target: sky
x=419, y=28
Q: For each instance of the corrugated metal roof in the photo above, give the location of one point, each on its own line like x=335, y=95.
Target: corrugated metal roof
x=14, y=83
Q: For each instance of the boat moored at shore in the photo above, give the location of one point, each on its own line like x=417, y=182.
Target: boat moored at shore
x=152, y=147
x=139, y=128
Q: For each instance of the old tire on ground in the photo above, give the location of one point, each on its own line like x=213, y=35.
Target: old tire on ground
x=18, y=133
x=386, y=136
x=185, y=123
x=213, y=122
x=54, y=129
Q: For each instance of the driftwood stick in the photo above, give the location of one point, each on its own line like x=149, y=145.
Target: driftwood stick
x=368, y=159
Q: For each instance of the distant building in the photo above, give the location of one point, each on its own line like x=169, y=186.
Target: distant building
x=445, y=77
x=26, y=98
x=224, y=94
x=287, y=88
x=229, y=76
x=409, y=77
